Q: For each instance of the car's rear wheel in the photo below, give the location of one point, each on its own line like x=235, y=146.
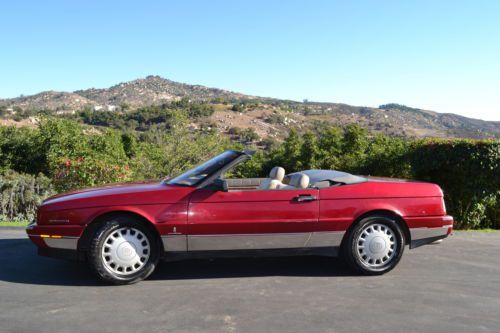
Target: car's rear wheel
x=123, y=251
x=375, y=245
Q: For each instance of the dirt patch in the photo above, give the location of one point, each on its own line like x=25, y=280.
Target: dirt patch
x=31, y=122
x=257, y=119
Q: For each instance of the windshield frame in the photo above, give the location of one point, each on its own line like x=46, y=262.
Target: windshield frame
x=212, y=167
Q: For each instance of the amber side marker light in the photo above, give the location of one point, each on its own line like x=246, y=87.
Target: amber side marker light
x=50, y=236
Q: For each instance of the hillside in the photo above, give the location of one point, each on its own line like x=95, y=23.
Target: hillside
x=153, y=90
x=48, y=100
x=268, y=116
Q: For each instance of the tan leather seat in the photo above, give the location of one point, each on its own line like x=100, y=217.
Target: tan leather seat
x=275, y=179
x=297, y=181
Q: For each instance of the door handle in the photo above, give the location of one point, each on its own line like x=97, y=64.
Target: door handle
x=305, y=198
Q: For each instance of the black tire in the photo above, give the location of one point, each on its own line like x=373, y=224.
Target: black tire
x=357, y=260
x=97, y=262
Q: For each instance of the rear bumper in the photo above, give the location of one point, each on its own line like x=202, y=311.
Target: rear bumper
x=58, y=241
x=429, y=229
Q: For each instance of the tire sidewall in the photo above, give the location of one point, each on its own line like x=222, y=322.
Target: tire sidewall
x=352, y=255
x=96, y=261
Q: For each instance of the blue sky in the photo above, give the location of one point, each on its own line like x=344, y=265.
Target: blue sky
x=440, y=55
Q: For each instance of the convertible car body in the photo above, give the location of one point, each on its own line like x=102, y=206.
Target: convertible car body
x=123, y=230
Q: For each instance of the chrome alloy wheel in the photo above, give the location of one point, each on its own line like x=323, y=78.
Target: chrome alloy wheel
x=125, y=251
x=376, y=245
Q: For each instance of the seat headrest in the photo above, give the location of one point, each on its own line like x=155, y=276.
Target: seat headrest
x=277, y=173
x=299, y=180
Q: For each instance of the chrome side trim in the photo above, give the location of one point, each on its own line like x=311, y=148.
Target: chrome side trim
x=174, y=242
x=247, y=241
x=69, y=243
x=420, y=233
x=265, y=241
x=325, y=239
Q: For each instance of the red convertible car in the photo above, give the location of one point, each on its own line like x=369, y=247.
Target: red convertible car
x=123, y=230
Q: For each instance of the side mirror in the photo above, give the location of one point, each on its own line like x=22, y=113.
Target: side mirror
x=221, y=184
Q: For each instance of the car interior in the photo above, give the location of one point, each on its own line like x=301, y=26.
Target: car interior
x=277, y=180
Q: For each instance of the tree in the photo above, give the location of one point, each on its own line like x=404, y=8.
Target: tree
x=124, y=106
x=330, y=147
x=309, y=151
x=292, y=151
x=237, y=107
x=20, y=150
x=168, y=153
x=249, y=135
x=386, y=156
x=354, y=145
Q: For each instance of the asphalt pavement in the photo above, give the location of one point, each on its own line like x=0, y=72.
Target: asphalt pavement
x=449, y=287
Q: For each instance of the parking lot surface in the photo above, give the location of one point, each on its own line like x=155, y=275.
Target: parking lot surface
x=449, y=287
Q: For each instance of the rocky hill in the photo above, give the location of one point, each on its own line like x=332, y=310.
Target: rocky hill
x=268, y=116
x=47, y=100
x=153, y=90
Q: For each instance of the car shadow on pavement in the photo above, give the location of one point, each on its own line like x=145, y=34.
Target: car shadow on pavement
x=251, y=267
x=19, y=263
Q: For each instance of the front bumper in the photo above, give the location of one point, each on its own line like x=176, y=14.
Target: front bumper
x=59, y=241
x=429, y=229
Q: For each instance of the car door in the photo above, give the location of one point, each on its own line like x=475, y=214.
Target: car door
x=248, y=220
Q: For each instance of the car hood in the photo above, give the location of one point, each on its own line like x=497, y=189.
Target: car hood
x=106, y=189
x=118, y=195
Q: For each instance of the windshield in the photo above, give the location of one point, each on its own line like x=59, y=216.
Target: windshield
x=196, y=175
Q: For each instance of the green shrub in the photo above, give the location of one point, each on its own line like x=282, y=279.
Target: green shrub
x=168, y=153
x=21, y=150
x=86, y=172
x=468, y=172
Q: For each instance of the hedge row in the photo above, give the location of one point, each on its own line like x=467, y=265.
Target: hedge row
x=468, y=171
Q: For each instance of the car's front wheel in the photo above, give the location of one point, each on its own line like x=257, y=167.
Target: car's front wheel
x=375, y=245
x=123, y=251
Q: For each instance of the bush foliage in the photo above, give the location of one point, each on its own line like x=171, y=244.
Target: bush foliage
x=61, y=155
x=468, y=172
x=20, y=194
